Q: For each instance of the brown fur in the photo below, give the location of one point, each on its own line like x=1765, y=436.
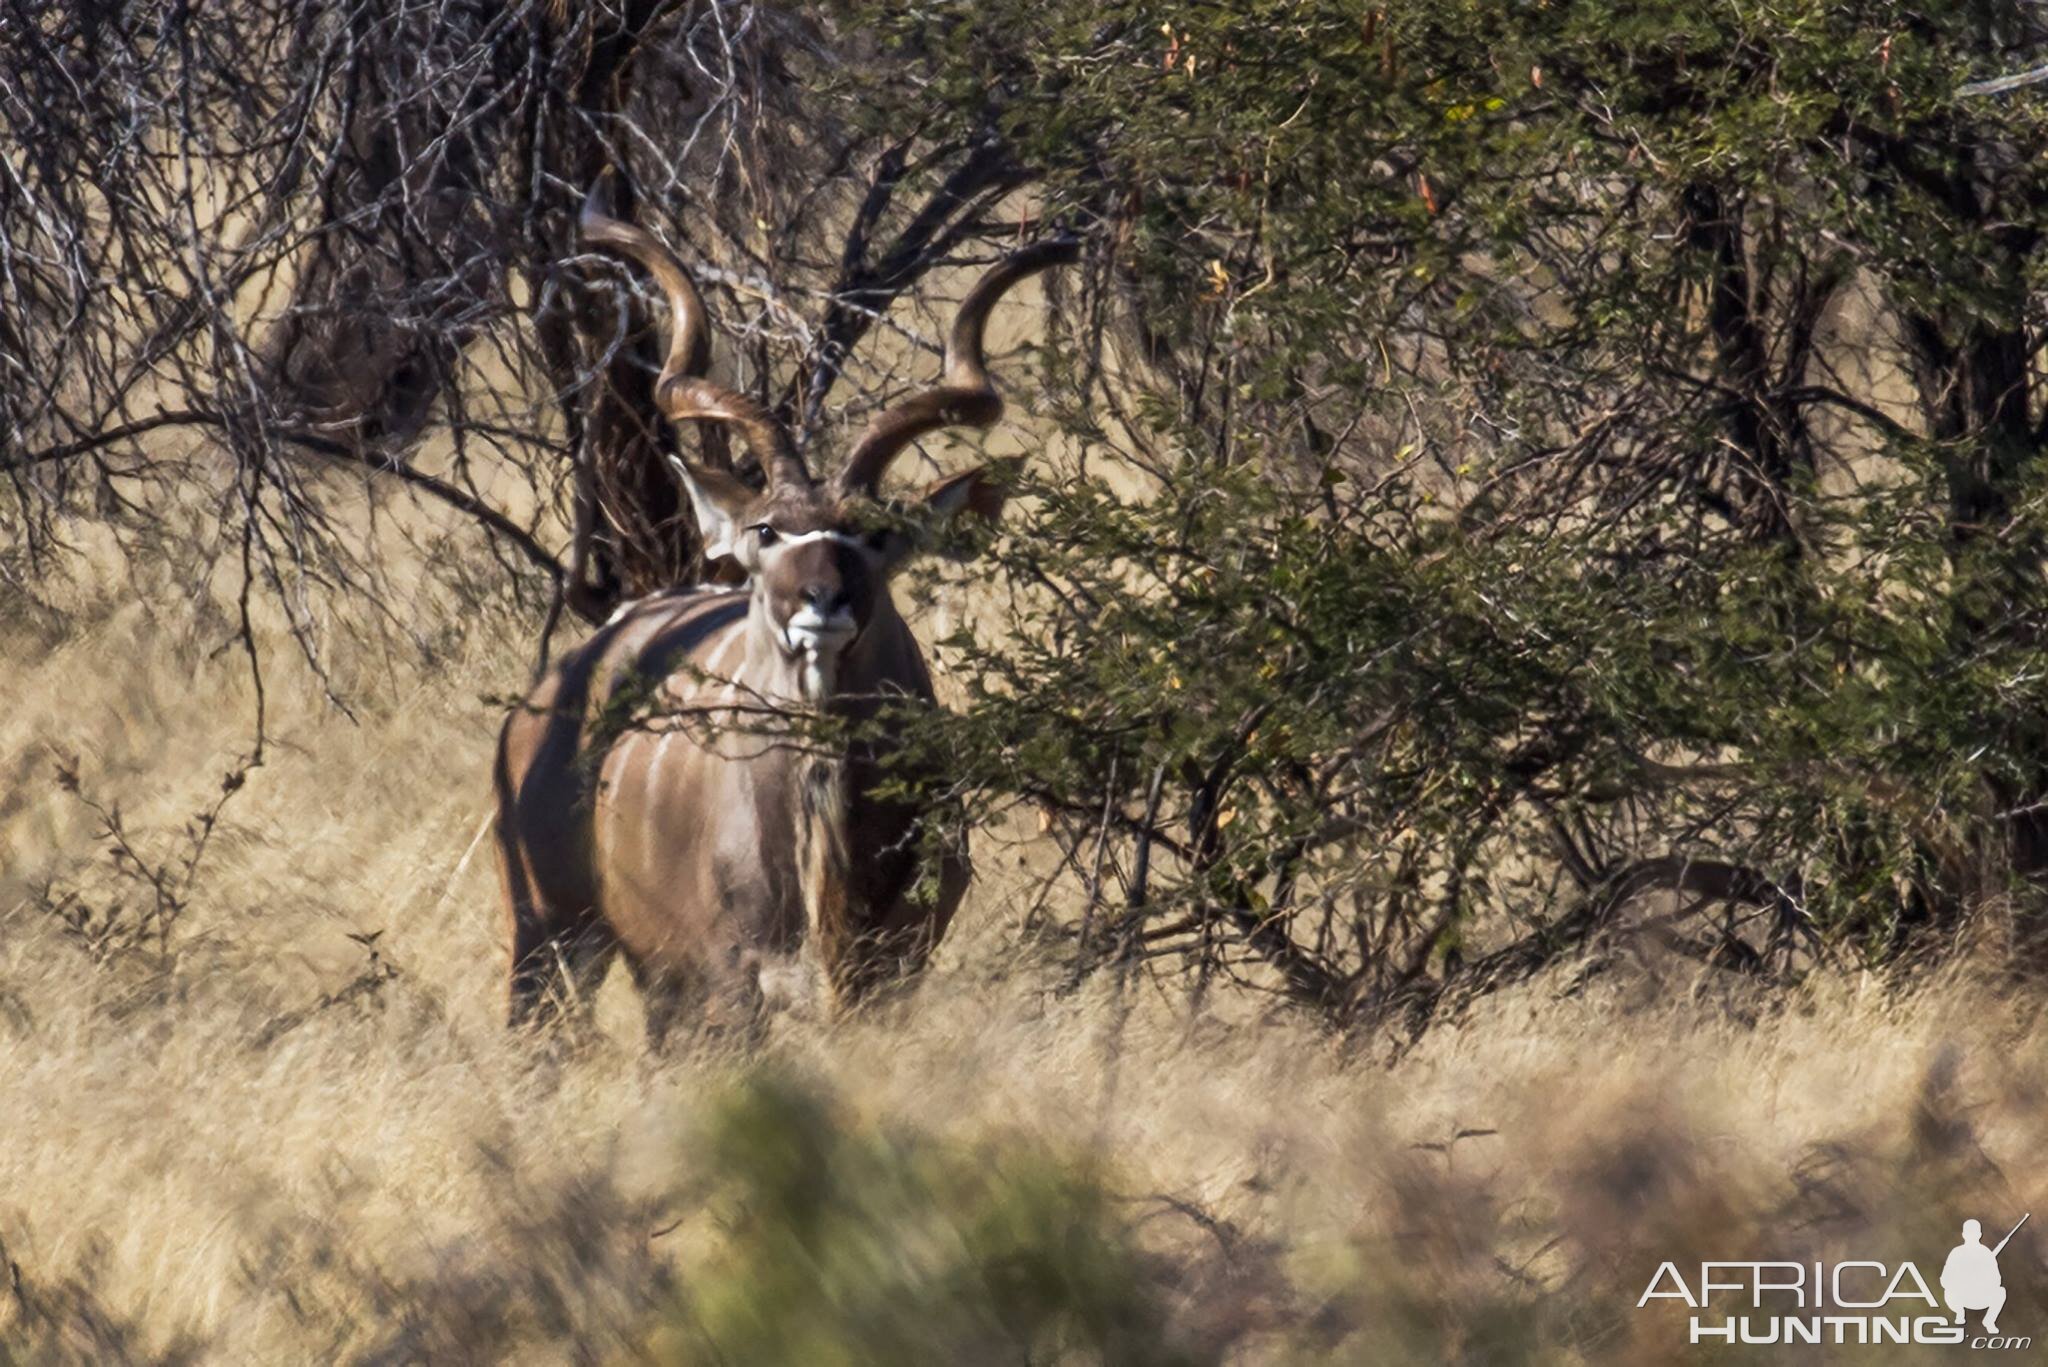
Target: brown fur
x=640, y=807
x=638, y=814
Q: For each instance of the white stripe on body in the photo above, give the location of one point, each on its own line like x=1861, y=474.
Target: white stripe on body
x=734, y=631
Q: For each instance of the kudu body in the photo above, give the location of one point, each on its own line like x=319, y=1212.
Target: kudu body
x=647, y=802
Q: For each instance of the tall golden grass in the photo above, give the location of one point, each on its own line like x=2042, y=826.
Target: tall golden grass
x=304, y=1135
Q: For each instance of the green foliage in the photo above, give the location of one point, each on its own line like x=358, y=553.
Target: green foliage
x=1571, y=451
x=839, y=1244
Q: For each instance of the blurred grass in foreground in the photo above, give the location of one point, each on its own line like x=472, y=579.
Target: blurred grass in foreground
x=799, y=1233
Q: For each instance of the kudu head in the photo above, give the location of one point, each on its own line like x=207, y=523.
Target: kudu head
x=818, y=554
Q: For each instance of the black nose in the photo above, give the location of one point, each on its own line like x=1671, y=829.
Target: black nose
x=824, y=599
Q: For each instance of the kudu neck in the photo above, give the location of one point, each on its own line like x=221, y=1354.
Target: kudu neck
x=863, y=668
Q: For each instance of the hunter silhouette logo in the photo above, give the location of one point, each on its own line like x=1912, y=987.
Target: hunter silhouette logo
x=1969, y=1280
x=1851, y=1302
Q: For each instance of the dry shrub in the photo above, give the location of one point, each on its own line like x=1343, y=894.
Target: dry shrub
x=247, y=1157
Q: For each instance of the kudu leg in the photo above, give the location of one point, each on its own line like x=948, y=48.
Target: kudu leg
x=895, y=952
x=719, y=1010
x=555, y=976
x=666, y=999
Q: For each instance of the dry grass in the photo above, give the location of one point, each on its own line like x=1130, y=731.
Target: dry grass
x=268, y=1152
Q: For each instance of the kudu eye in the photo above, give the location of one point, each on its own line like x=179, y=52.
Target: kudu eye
x=764, y=534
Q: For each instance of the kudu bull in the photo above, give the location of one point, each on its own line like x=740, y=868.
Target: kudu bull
x=736, y=869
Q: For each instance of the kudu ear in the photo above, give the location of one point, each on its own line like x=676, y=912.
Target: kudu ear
x=719, y=501
x=980, y=492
